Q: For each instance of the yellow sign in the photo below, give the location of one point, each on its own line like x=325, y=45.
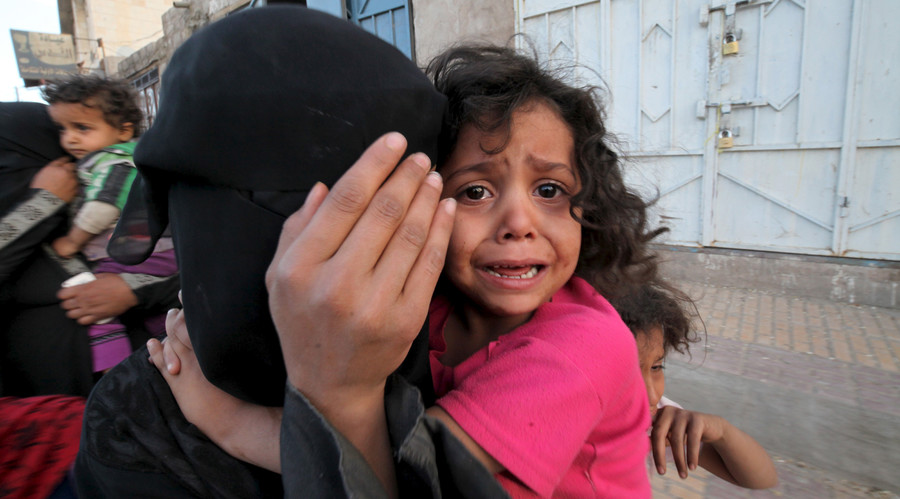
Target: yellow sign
x=43, y=56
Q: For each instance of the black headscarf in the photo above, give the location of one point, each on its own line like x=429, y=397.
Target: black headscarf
x=28, y=141
x=255, y=109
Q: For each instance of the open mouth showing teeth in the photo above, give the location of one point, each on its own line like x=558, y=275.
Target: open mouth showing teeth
x=508, y=272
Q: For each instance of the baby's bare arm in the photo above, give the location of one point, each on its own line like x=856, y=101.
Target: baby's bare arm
x=71, y=243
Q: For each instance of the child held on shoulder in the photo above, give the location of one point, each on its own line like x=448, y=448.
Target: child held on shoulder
x=534, y=371
x=530, y=363
x=98, y=120
x=659, y=317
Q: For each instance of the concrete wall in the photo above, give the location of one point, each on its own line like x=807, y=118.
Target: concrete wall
x=178, y=24
x=438, y=24
x=125, y=26
x=847, y=280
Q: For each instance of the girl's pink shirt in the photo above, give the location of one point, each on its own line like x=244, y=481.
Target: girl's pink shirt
x=559, y=401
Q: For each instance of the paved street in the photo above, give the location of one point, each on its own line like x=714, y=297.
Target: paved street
x=816, y=382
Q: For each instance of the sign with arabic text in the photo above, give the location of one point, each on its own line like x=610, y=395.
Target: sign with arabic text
x=43, y=56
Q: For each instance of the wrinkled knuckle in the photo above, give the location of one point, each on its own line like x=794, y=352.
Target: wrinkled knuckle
x=389, y=210
x=413, y=235
x=350, y=198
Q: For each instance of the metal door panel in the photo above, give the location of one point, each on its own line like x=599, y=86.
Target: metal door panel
x=880, y=72
x=656, y=76
x=874, y=214
x=589, y=44
x=823, y=85
x=690, y=79
x=782, y=200
x=624, y=73
x=771, y=126
x=679, y=203
x=810, y=99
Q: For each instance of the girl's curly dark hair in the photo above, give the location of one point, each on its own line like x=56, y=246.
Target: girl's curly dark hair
x=485, y=85
x=114, y=97
x=659, y=304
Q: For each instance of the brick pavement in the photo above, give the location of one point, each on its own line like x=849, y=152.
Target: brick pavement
x=834, y=351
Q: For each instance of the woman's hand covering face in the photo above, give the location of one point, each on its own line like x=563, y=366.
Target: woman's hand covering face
x=353, y=275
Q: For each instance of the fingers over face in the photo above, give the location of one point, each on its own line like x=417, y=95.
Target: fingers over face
x=352, y=197
x=388, y=211
x=423, y=277
x=294, y=226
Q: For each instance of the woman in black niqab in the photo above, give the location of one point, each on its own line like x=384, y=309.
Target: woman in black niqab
x=43, y=351
x=258, y=107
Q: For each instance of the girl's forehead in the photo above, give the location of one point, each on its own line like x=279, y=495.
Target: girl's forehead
x=535, y=125
x=652, y=340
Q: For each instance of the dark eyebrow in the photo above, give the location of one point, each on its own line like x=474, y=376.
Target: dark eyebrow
x=548, y=166
x=481, y=167
x=544, y=166
x=551, y=166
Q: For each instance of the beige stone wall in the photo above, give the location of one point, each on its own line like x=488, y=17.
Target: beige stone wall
x=178, y=24
x=438, y=24
x=125, y=26
x=128, y=25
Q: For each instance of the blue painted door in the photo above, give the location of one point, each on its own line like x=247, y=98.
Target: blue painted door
x=387, y=19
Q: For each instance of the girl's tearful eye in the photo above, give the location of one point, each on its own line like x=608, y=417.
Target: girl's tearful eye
x=549, y=191
x=476, y=192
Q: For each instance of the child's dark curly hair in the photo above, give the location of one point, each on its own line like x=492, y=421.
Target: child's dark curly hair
x=485, y=85
x=659, y=304
x=114, y=97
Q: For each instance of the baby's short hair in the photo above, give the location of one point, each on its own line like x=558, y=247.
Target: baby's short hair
x=658, y=304
x=114, y=97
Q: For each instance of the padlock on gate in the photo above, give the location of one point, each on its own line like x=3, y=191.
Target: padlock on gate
x=726, y=139
x=730, y=44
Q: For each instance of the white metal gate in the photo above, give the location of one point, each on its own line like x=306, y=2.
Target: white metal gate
x=810, y=99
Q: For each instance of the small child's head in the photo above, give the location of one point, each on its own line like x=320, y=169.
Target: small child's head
x=661, y=318
x=540, y=192
x=93, y=112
